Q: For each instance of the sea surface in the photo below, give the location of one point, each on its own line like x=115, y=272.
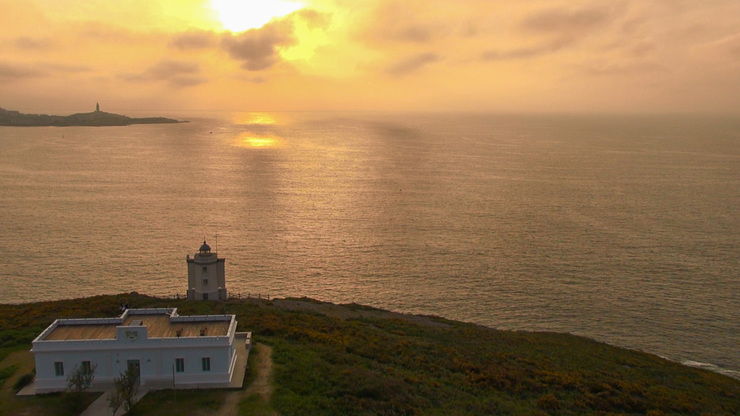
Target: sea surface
x=624, y=229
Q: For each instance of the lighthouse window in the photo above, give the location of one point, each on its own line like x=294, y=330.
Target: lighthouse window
x=205, y=282
x=206, y=363
x=205, y=269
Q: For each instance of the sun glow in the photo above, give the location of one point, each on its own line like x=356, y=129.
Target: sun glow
x=310, y=39
x=241, y=15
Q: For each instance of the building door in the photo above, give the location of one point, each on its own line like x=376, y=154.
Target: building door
x=135, y=368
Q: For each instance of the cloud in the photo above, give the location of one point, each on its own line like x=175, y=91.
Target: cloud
x=729, y=46
x=11, y=71
x=642, y=49
x=70, y=69
x=565, y=21
x=415, y=33
x=624, y=68
x=175, y=73
x=555, y=29
x=314, y=19
x=186, y=81
x=98, y=32
x=413, y=63
x=27, y=43
x=258, y=48
x=165, y=69
x=400, y=22
x=718, y=53
x=193, y=40
x=254, y=80
x=527, y=52
x=584, y=54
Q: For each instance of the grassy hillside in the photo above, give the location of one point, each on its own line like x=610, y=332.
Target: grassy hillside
x=354, y=360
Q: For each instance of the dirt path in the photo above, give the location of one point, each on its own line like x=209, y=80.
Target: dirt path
x=261, y=385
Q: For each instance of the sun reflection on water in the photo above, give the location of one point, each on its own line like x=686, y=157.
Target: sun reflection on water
x=260, y=135
x=250, y=140
x=255, y=118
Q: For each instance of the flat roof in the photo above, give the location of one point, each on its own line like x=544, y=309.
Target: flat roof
x=158, y=326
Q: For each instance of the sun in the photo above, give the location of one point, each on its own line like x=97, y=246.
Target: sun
x=241, y=15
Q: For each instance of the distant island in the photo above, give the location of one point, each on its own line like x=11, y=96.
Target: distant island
x=95, y=118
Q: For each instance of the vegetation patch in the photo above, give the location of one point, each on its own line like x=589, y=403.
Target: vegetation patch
x=255, y=405
x=57, y=404
x=23, y=381
x=180, y=402
x=6, y=372
x=338, y=360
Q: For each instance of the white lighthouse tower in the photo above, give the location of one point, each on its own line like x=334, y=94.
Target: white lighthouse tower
x=206, y=275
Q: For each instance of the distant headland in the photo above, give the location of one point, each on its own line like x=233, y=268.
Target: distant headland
x=95, y=118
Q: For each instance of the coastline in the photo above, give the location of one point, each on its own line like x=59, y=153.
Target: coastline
x=95, y=118
x=364, y=359
x=353, y=310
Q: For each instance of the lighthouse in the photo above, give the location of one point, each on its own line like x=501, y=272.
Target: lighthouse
x=206, y=275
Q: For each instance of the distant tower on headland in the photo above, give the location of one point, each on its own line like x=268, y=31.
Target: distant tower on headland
x=206, y=275
x=97, y=107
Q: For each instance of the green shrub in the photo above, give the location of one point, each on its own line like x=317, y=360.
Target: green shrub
x=255, y=405
x=23, y=381
x=74, y=402
x=7, y=372
x=548, y=402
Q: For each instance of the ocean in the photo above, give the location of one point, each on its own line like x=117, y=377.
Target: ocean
x=625, y=229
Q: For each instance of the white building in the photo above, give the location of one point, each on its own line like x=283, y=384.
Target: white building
x=206, y=275
x=164, y=348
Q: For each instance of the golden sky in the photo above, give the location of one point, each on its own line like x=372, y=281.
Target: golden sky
x=485, y=55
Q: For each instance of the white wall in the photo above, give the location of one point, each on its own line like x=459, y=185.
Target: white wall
x=156, y=357
x=155, y=365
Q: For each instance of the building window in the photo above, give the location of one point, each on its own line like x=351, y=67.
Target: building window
x=86, y=367
x=205, y=282
x=59, y=368
x=206, y=363
x=205, y=296
x=205, y=269
x=179, y=365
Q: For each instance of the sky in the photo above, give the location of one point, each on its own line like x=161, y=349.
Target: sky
x=623, y=56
